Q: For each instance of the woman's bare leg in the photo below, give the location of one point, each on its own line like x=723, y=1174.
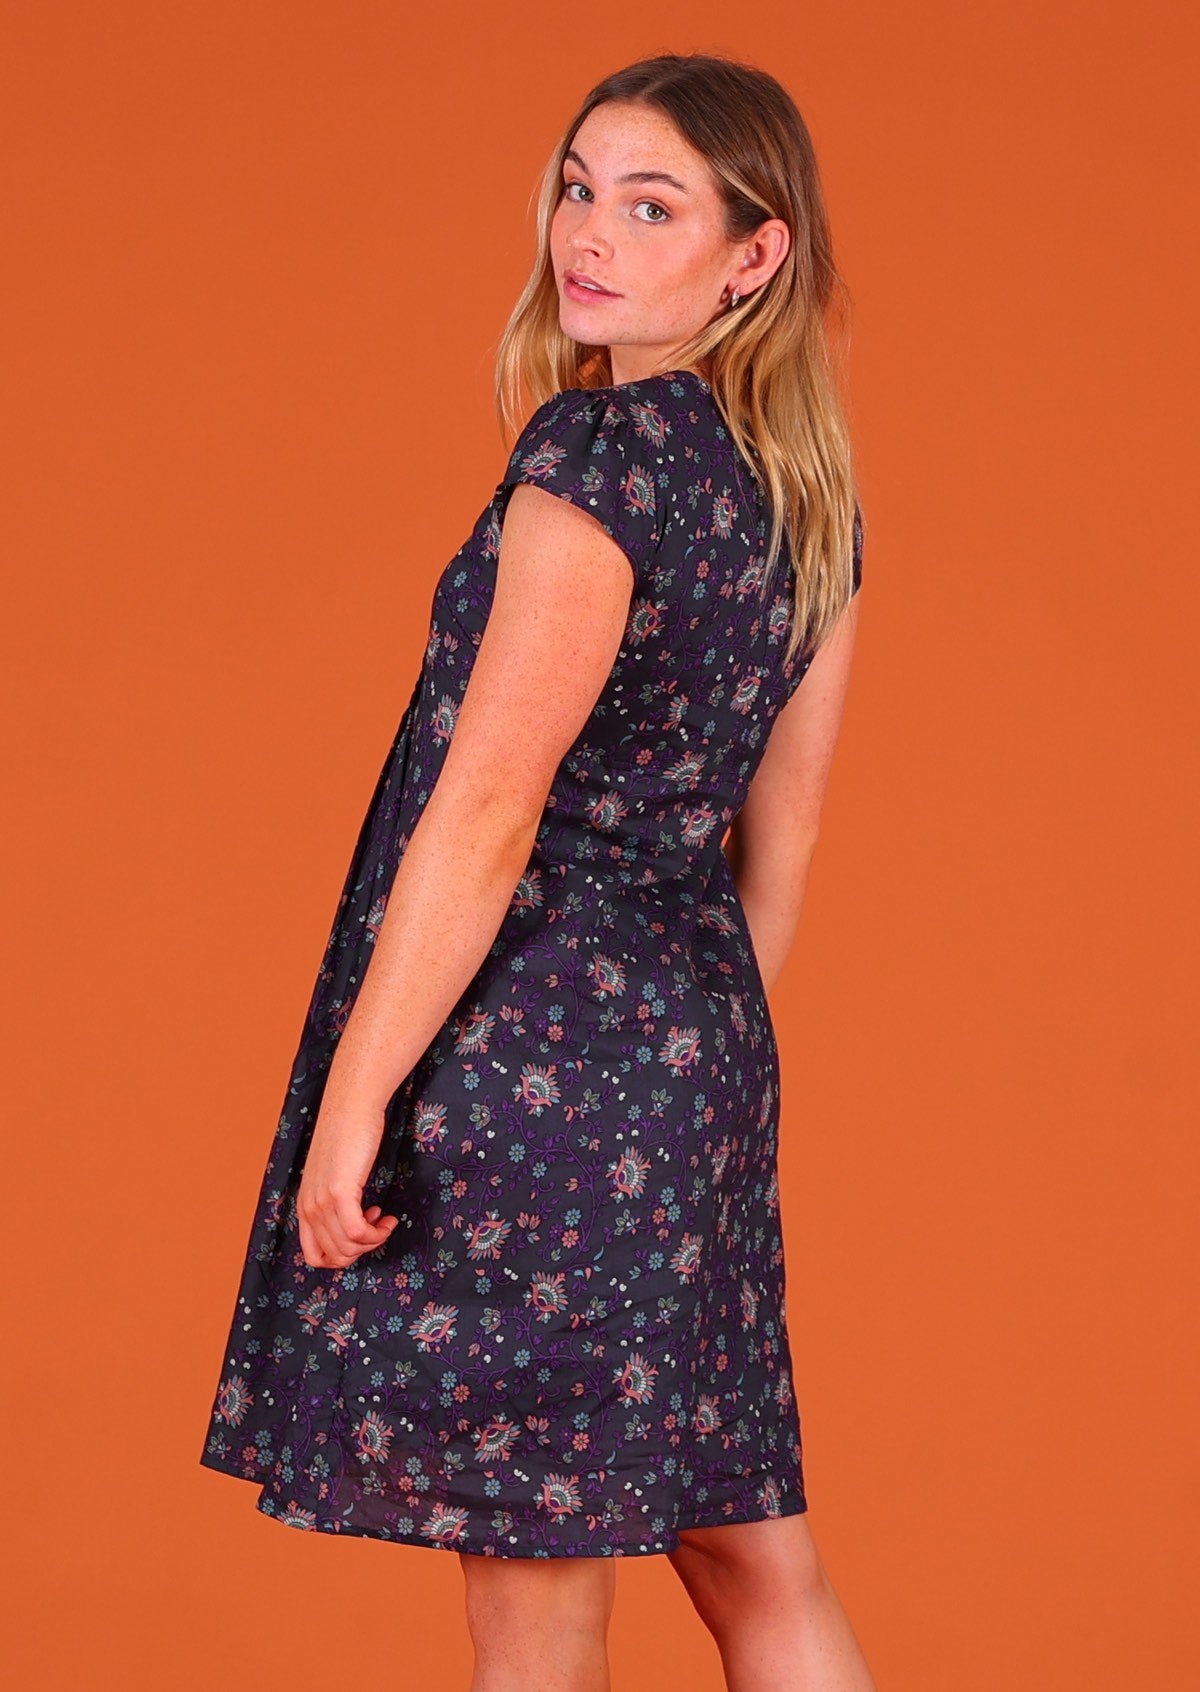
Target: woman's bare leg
x=539, y=1624
x=761, y=1590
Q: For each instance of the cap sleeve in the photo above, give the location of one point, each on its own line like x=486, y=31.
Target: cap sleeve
x=583, y=445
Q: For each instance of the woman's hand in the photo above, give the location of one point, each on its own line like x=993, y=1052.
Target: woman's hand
x=334, y=1227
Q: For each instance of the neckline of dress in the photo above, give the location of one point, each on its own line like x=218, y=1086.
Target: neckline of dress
x=663, y=376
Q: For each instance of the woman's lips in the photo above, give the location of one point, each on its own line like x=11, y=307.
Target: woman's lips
x=576, y=291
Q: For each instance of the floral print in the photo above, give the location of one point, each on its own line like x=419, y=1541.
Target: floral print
x=574, y=1343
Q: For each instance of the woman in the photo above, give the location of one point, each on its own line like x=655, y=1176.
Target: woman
x=555, y=1334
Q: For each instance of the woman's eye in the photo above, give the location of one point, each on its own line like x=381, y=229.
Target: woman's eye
x=653, y=204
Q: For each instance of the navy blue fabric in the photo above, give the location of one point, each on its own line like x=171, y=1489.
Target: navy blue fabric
x=575, y=1341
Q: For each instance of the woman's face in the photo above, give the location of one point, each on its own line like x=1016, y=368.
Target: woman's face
x=655, y=244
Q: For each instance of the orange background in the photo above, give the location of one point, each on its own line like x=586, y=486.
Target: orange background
x=257, y=261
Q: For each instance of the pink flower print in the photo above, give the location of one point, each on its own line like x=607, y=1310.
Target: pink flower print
x=543, y=461
x=444, y=719
x=720, y=1159
x=312, y=1309
x=769, y=1496
x=446, y=1525
x=296, y=1517
x=638, y=488
x=636, y=1377
x=547, y=1295
x=677, y=710
x=649, y=422
x=373, y=1437
x=490, y=544
x=607, y=811
x=494, y=1439
x=750, y=577
x=629, y=1173
x=686, y=771
x=707, y=1419
x=724, y=515
x=429, y=1125
x=686, y=1260
x=783, y=1388
x=341, y=1329
x=607, y=976
x=487, y=1237
x=434, y=1325
x=559, y=1495
x=718, y=917
x=375, y=916
x=749, y=1304
x=696, y=825
x=645, y=621
x=537, y=1087
x=233, y=1401
x=528, y=895
x=681, y=1049
x=473, y=1033
x=745, y=694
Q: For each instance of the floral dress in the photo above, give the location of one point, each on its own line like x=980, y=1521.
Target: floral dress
x=574, y=1342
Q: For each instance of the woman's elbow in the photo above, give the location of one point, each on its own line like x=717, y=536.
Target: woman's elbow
x=491, y=810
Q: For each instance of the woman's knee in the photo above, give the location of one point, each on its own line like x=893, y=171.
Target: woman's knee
x=738, y=1567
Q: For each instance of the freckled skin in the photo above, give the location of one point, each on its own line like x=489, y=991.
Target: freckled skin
x=661, y=249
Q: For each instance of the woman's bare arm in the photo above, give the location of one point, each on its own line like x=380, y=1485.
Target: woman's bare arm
x=774, y=835
x=558, y=615
x=562, y=597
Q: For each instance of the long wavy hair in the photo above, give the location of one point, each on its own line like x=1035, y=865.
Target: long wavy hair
x=773, y=362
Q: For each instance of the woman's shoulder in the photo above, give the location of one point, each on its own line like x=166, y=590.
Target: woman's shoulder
x=668, y=417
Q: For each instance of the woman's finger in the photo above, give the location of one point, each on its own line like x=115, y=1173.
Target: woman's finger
x=343, y=1231
x=337, y=1231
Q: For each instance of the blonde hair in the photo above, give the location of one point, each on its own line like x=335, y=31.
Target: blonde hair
x=770, y=362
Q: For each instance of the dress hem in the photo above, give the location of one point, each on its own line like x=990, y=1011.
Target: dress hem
x=797, y=1506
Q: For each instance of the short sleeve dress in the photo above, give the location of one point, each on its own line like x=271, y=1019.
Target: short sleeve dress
x=574, y=1343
